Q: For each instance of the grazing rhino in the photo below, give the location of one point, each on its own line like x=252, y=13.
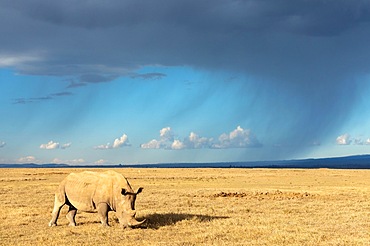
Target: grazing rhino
x=90, y=191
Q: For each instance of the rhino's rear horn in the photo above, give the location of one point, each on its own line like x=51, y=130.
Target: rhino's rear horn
x=139, y=190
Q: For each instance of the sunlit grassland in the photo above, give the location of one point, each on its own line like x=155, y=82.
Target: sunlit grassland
x=199, y=207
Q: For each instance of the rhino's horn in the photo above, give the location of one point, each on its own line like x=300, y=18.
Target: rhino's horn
x=133, y=222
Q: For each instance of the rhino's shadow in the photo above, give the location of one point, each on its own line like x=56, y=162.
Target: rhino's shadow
x=155, y=221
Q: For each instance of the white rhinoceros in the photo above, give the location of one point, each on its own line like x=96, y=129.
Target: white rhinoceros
x=90, y=191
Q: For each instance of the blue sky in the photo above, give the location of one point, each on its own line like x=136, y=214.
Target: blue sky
x=138, y=82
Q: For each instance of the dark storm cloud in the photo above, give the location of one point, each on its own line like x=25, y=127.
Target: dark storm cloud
x=31, y=100
x=149, y=76
x=96, y=78
x=99, y=40
x=41, y=99
x=28, y=100
x=305, y=55
x=73, y=84
x=62, y=94
x=21, y=101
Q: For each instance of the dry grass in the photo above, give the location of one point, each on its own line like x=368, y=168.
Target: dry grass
x=200, y=207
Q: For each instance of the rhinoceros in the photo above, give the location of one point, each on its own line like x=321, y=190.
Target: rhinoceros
x=90, y=191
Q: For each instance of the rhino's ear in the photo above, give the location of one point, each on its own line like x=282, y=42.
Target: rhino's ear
x=123, y=192
x=139, y=190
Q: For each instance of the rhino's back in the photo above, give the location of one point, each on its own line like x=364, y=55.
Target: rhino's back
x=86, y=189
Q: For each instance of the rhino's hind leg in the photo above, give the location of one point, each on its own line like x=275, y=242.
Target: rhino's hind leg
x=58, y=204
x=71, y=215
x=103, y=210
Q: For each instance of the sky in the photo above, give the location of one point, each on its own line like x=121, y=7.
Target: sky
x=126, y=82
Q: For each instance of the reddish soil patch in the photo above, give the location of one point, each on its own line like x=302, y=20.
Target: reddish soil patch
x=268, y=195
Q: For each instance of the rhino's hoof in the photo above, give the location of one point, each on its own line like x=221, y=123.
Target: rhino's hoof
x=72, y=224
x=52, y=224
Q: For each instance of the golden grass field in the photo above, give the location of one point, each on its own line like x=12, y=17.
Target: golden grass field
x=199, y=207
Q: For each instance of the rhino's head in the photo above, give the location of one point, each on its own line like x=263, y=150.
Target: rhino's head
x=126, y=210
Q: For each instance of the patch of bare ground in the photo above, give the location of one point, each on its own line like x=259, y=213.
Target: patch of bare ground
x=269, y=195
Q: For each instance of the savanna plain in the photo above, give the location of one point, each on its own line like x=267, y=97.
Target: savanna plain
x=198, y=207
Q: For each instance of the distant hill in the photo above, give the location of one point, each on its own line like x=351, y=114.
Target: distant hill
x=348, y=162
x=33, y=165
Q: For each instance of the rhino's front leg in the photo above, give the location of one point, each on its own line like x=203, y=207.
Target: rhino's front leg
x=71, y=215
x=103, y=210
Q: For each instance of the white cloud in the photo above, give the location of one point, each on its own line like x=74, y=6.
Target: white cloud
x=2, y=144
x=102, y=147
x=28, y=159
x=122, y=141
x=50, y=145
x=166, y=134
x=358, y=141
x=76, y=161
x=57, y=161
x=66, y=145
x=152, y=144
x=238, y=138
x=70, y=162
x=101, y=162
x=177, y=144
x=166, y=139
x=344, y=139
x=55, y=145
x=194, y=141
x=118, y=143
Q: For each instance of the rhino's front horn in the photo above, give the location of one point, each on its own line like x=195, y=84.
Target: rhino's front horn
x=133, y=222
